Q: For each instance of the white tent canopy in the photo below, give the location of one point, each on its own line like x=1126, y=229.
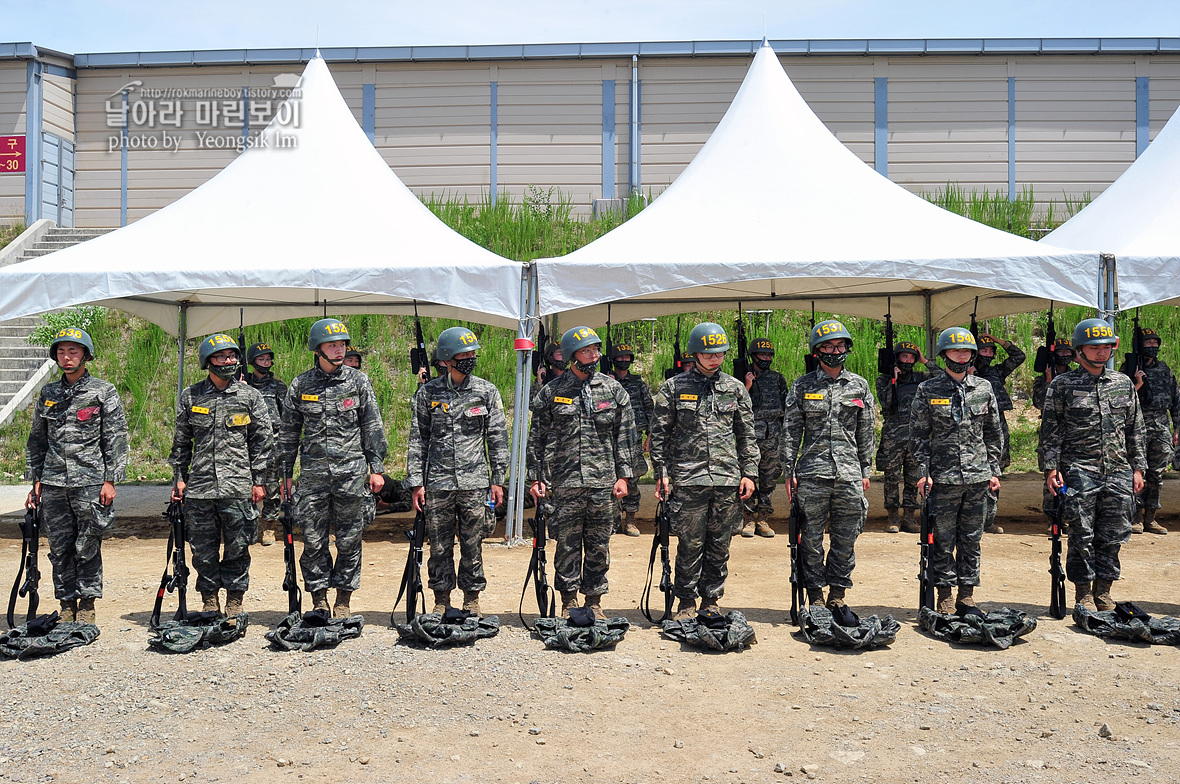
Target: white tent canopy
x=775, y=211
x=1137, y=220
x=284, y=232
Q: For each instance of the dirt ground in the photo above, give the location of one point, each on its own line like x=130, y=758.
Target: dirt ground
x=507, y=710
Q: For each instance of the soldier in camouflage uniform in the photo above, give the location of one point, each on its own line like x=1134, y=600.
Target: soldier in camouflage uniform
x=956, y=441
x=768, y=395
x=705, y=453
x=458, y=439
x=77, y=450
x=353, y=359
x=998, y=376
x=895, y=459
x=1159, y=400
x=1092, y=432
x=828, y=444
x=641, y=408
x=1063, y=358
x=221, y=460
x=330, y=418
x=261, y=357
x=580, y=451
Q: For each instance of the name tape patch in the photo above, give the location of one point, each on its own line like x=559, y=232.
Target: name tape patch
x=566, y=400
x=813, y=396
x=940, y=401
x=688, y=397
x=311, y=398
x=200, y=410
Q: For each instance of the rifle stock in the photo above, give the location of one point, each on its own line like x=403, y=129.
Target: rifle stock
x=1057, y=606
x=411, y=586
x=795, y=521
x=175, y=577
x=546, y=600
x=290, y=578
x=659, y=546
x=926, y=545
x=30, y=530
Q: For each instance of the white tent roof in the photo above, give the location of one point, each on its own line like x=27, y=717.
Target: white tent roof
x=1137, y=219
x=279, y=231
x=776, y=212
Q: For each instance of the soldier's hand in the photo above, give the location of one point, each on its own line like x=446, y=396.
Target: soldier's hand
x=663, y=488
x=34, y=496
x=620, y=488
x=257, y=494
x=924, y=485
x=993, y=484
x=746, y=488
x=1140, y=377
x=864, y=484
x=896, y=372
x=537, y=490
x=1176, y=438
x=106, y=496
x=1054, y=482
x=418, y=494
x=1137, y=482
x=647, y=441
x=376, y=482
x=178, y=490
x=497, y=495
x=749, y=381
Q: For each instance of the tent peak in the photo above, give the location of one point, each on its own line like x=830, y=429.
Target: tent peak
x=765, y=43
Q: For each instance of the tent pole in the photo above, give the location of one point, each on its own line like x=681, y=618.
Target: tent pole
x=929, y=318
x=526, y=366
x=1107, y=296
x=181, y=338
x=514, y=521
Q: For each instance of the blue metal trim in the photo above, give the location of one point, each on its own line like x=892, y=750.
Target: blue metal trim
x=123, y=167
x=608, y=138
x=494, y=142
x=369, y=111
x=881, y=125
x=1142, y=114
x=34, y=97
x=1011, y=138
x=57, y=70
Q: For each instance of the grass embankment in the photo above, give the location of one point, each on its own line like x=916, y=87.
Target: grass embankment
x=140, y=359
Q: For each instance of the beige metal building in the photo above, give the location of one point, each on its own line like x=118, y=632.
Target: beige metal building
x=111, y=137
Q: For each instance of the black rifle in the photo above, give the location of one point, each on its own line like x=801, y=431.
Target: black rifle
x=886, y=361
x=1131, y=363
x=677, y=359
x=411, y=586
x=241, y=344
x=659, y=544
x=1056, y=572
x=175, y=577
x=419, y=356
x=974, y=323
x=1044, y=362
x=926, y=545
x=609, y=347
x=811, y=361
x=741, y=361
x=546, y=600
x=30, y=531
x=540, y=349
x=795, y=521
x=290, y=578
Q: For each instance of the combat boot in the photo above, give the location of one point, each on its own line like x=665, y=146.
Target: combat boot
x=442, y=600
x=569, y=600
x=594, y=604
x=910, y=523
x=747, y=531
x=1137, y=521
x=471, y=602
x=1150, y=525
x=629, y=527
x=966, y=596
x=1083, y=596
x=210, y=602
x=319, y=600
x=1102, y=598
x=340, y=608
x=233, y=603
x=762, y=528
x=815, y=595
x=69, y=611
x=894, y=524
x=835, y=597
x=86, y=609
x=943, y=603
x=687, y=608
x=992, y=528
x=267, y=536
x=709, y=605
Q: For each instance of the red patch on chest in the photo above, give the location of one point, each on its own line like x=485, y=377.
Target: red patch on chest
x=84, y=414
x=603, y=404
x=856, y=401
x=348, y=403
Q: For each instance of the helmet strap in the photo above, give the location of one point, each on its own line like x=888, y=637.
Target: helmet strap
x=329, y=360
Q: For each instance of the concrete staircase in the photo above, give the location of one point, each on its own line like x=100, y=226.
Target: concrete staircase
x=57, y=239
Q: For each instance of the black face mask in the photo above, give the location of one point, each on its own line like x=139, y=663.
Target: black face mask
x=906, y=367
x=556, y=365
x=956, y=367
x=834, y=360
x=225, y=371
x=762, y=364
x=465, y=366
x=981, y=361
x=1150, y=351
x=588, y=368
x=622, y=364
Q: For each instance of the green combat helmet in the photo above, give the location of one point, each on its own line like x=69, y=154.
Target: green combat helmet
x=828, y=330
x=623, y=350
x=256, y=350
x=456, y=340
x=72, y=335
x=326, y=331
x=212, y=344
x=761, y=346
x=576, y=339
x=955, y=337
x=1093, y=332
x=707, y=338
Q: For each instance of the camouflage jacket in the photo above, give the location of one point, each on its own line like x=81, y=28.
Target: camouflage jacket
x=702, y=433
x=641, y=402
x=332, y=421
x=998, y=374
x=273, y=392
x=1159, y=398
x=582, y=434
x=78, y=436
x=828, y=427
x=224, y=440
x=1093, y=423
x=458, y=436
x=895, y=422
x=955, y=434
x=768, y=396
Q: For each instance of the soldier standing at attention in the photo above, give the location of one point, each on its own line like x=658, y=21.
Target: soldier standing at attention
x=705, y=453
x=458, y=439
x=1092, y=432
x=828, y=453
x=261, y=357
x=956, y=441
x=221, y=460
x=77, y=450
x=894, y=457
x=998, y=376
x=1160, y=401
x=1063, y=358
x=768, y=395
x=581, y=447
x=331, y=419
x=641, y=409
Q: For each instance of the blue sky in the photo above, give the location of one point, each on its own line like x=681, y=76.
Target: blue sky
x=103, y=26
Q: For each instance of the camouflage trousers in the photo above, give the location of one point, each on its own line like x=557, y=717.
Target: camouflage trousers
x=272, y=506
x=896, y=461
x=841, y=506
x=461, y=512
x=1159, y=453
x=1098, y=511
x=583, y=519
x=959, y=515
x=75, y=523
x=212, y=523
x=1006, y=454
x=630, y=502
x=318, y=510
x=993, y=498
x=770, y=470
x=703, y=521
